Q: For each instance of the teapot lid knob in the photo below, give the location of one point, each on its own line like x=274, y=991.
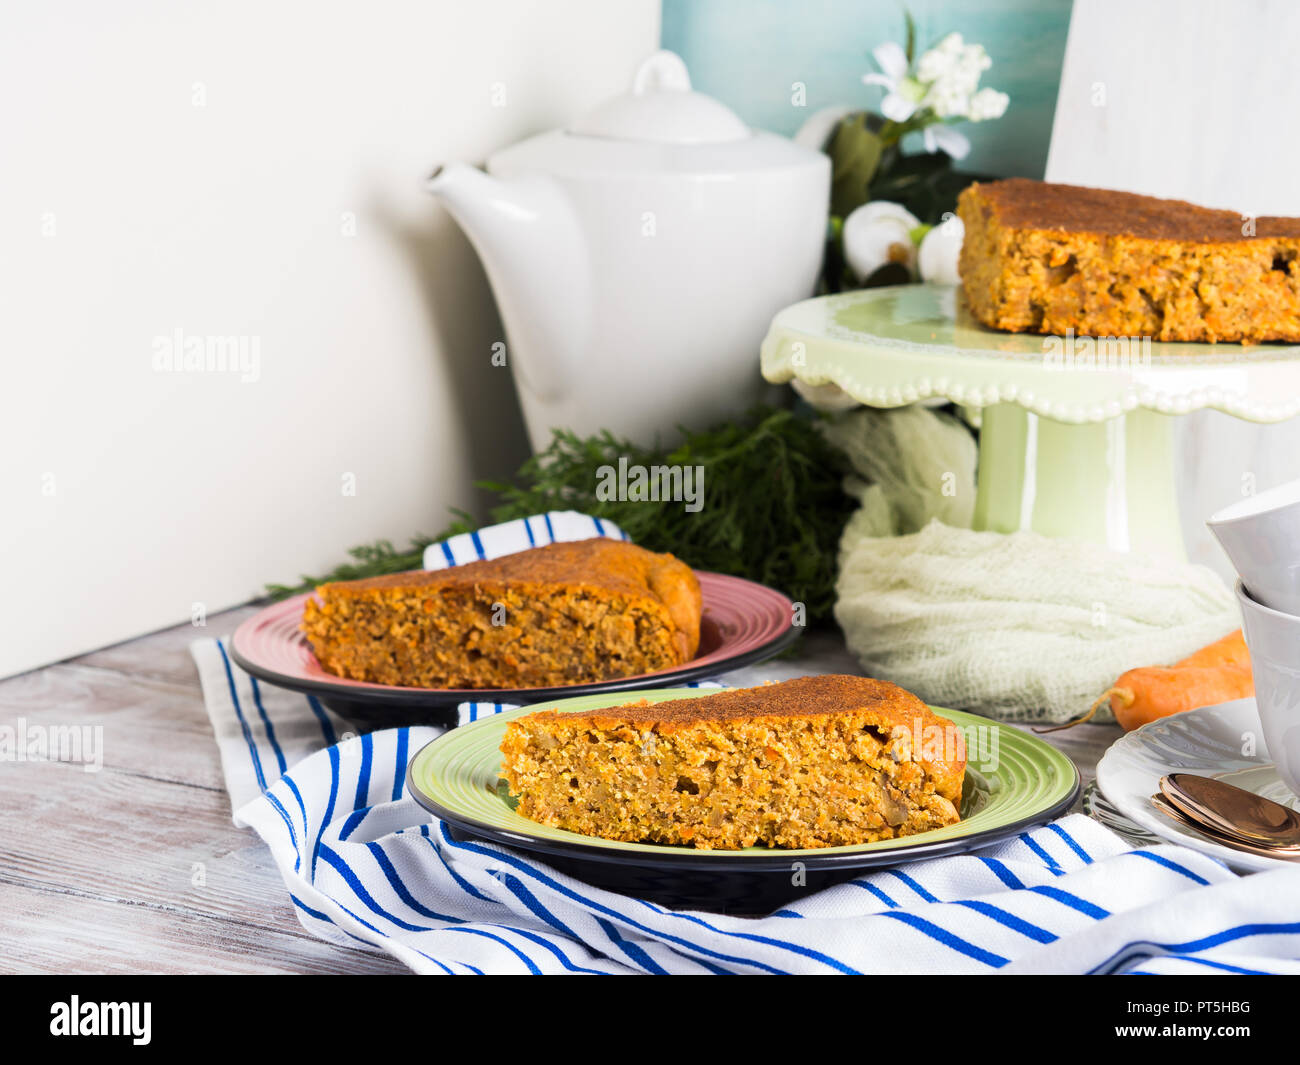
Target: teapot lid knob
x=662, y=108
x=662, y=71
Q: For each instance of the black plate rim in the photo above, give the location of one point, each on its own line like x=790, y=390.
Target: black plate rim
x=704, y=861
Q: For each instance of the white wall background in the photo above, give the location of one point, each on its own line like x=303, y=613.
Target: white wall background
x=1200, y=101
x=251, y=169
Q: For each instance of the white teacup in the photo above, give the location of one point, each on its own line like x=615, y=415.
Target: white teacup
x=1274, y=642
x=1261, y=535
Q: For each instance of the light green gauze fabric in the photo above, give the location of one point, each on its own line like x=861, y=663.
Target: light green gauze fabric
x=1017, y=626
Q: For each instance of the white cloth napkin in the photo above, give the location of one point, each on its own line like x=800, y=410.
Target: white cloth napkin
x=1017, y=626
x=366, y=867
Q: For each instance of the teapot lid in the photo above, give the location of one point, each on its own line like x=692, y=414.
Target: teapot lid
x=661, y=108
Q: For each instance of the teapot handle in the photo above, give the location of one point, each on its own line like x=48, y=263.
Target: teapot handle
x=664, y=70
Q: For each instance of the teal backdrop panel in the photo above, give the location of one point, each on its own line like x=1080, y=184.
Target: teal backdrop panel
x=749, y=53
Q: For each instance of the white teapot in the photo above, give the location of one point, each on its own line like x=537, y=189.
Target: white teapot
x=638, y=256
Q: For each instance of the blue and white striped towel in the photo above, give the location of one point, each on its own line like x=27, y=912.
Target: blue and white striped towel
x=510, y=536
x=365, y=867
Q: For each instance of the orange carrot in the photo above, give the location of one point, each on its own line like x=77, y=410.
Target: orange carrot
x=1218, y=673
x=1230, y=651
x=1143, y=695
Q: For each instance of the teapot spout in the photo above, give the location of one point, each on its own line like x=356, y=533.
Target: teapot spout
x=528, y=237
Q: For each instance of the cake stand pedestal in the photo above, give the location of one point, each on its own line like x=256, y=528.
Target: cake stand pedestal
x=1076, y=434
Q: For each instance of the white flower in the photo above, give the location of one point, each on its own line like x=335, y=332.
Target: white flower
x=940, y=60
x=948, y=99
x=940, y=251
x=904, y=93
x=951, y=73
x=988, y=103
x=945, y=138
x=943, y=86
x=972, y=61
x=876, y=235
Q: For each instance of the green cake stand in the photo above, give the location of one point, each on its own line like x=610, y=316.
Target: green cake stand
x=1076, y=434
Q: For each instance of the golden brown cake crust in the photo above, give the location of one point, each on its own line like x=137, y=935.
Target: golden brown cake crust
x=1020, y=203
x=560, y=614
x=599, y=562
x=812, y=762
x=806, y=697
x=1051, y=258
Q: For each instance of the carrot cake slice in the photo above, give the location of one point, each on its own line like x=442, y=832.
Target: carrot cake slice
x=1047, y=258
x=815, y=762
x=565, y=613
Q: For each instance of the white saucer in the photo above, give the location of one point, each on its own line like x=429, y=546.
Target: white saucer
x=1213, y=741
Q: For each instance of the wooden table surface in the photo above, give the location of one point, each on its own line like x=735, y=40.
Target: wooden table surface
x=138, y=867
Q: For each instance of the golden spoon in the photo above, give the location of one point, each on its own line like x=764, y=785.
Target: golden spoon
x=1234, y=842
x=1232, y=811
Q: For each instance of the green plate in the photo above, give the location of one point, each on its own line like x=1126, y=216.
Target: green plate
x=1077, y=434
x=895, y=345
x=457, y=778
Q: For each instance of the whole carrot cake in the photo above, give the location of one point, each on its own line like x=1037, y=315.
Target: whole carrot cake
x=1047, y=258
x=565, y=613
x=815, y=762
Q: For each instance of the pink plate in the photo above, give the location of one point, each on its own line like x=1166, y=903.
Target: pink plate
x=742, y=623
